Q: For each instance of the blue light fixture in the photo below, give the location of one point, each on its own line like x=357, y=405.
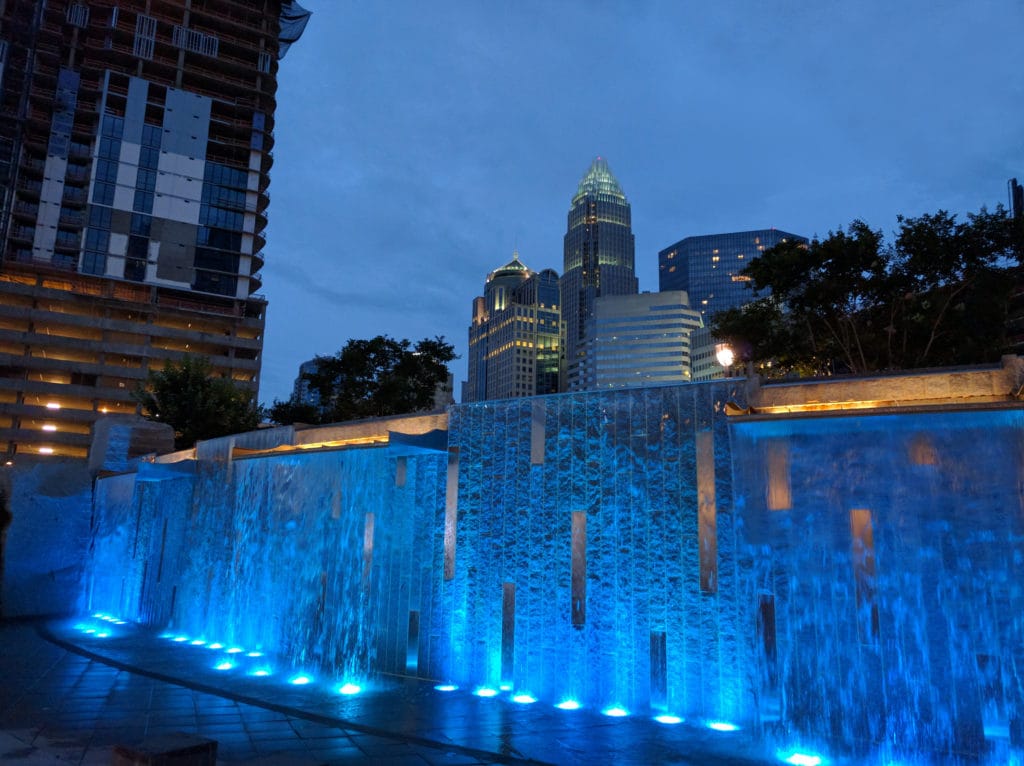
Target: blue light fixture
x=722, y=726
x=668, y=719
x=524, y=699
x=615, y=711
x=226, y=665
x=797, y=758
x=446, y=687
x=349, y=689
x=260, y=672
x=568, y=705
x=300, y=680
x=485, y=691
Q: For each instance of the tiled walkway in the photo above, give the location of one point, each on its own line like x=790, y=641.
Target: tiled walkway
x=66, y=697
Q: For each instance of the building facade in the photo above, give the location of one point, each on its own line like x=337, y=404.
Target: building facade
x=708, y=267
x=599, y=253
x=136, y=141
x=639, y=340
x=515, y=336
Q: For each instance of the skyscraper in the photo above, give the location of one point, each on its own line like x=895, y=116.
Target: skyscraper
x=515, y=337
x=599, y=256
x=638, y=340
x=135, y=145
x=708, y=267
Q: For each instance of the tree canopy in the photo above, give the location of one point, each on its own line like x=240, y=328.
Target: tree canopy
x=196, y=404
x=371, y=378
x=936, y=295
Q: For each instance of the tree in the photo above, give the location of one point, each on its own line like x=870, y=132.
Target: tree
x=372, y=378
x=937, y=295
x=196, y=404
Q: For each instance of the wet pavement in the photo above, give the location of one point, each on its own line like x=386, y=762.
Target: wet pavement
x=67, y=696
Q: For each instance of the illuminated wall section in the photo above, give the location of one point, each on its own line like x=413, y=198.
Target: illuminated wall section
x=884, y=556
x=601, y=541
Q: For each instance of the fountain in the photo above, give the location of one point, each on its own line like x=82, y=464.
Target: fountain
x=846, y=580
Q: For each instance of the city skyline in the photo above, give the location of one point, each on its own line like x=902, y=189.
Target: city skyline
x=415, y=152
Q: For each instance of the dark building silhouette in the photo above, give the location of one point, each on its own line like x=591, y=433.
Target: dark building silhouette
x=598, y=256
x=136, y=142
x=708, y=267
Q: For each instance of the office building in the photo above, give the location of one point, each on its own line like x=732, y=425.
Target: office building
x=638, y=340
x=709, y=267
x=515, y=335
x=598, y=256
x=136, y=142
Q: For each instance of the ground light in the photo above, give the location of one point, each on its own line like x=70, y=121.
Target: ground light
x=524, y=699
x=254, y=654
x=446, y=687
x=261, y=672
x=224, y=665
x=668, y=719
x=722, y=726
x=198, y=642
x=180, y=639
x=615, y=711
x=300, y=680
x=235, y=650
x=486, y=691
x=801, y=759
x=349, y=689
x=215, y=645
x=568, y=705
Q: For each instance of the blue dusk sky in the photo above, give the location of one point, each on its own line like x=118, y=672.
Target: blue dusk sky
x=418, y=144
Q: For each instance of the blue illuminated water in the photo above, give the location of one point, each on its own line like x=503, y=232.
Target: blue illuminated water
x=854, y=586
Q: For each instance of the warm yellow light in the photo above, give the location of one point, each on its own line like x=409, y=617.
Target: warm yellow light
x=46, y=450
x=724, y=355
x=49, y=427
x=103, y=410
x=52, y=406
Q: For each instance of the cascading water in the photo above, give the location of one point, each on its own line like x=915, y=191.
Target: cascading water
x=845, y=580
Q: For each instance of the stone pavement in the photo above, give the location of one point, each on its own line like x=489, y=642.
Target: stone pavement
x=67, y=696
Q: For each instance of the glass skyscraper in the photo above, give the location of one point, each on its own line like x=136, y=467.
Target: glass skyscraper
x=599, y=256
x=708, y=267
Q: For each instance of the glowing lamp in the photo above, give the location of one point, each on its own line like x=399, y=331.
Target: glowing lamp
x=668, y=719
x=446, y=687
x=803, y=759
x=722, y=726
x=486, y=691
x=349, y=689
x=568, y=705
x=724, y=355
x=224, y=665
x=615, y=711
x=299, y=680
x=524, y=699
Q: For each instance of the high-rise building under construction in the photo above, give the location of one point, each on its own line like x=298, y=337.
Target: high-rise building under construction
x=136, y=141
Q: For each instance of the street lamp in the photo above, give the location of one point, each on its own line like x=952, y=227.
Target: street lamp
x=725, y=357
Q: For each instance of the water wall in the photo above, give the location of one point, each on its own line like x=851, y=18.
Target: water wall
x=594, y=557
x=316, y=557
x=882, y=570
x=850, y=578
